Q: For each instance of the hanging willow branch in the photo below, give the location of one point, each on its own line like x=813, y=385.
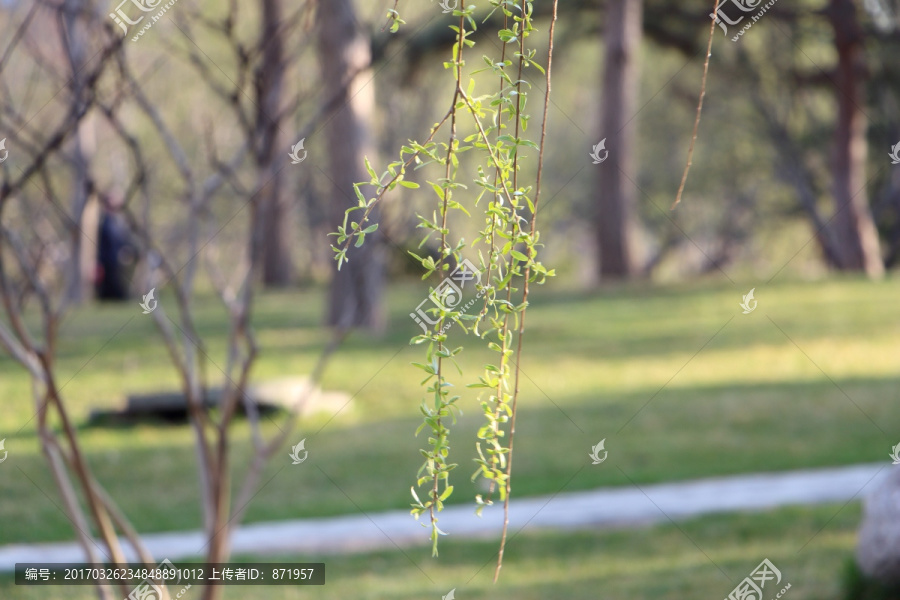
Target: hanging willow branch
x=509, y=239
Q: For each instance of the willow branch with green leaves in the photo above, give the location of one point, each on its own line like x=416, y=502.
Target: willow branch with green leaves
x=511, y=242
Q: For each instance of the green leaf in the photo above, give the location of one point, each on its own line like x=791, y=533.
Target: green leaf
x=507, y=35
x=359, y=196
x=438, y=190
x=371, y=171
x=446, y=493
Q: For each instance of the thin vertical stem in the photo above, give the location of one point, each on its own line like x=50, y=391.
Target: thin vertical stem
x=521, y=331
x=690, y=158
x=439, y=391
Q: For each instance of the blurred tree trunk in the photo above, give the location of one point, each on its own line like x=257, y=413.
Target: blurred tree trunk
x=890, y=211
x=854, y=227
x=277, y=265
x=345, y=56
x=82, y=249
x=616, y=194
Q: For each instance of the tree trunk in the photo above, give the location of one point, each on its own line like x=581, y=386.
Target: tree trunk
x=277, y=266
x=82, y=251
x=854, y=228
x=617, y=195
x=344, y=55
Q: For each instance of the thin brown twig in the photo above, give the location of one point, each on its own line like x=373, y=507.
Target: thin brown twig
x=396, y=3
x=687, y=167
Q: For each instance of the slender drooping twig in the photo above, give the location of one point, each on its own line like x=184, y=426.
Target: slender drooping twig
x=687, y=167
x=521, y=332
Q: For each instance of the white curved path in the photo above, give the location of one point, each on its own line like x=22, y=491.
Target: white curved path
x=601, y=508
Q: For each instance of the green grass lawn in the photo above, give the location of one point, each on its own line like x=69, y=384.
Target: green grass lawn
x=701, y=558
x=676, y=379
